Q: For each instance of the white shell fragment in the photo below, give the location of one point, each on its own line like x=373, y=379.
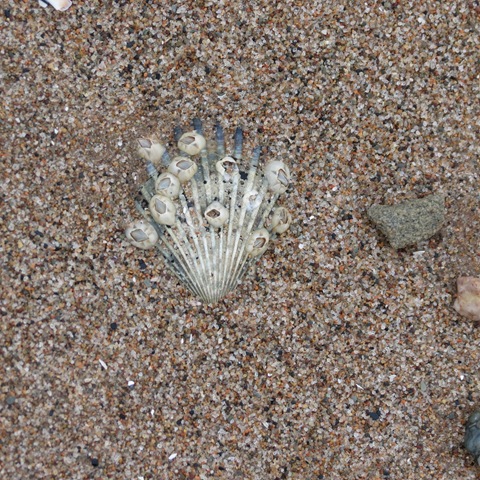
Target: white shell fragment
x=61, y=5
x=210, y=215
x=278, y=176
x=216, y=214
x=163, y=210
x=142, y=234
x=167, y=184
x=150, y=149
x=192, y=143
x=281, y=220
x=183, y=168
x=467, y=303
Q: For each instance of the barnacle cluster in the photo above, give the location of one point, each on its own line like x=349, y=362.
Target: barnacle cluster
x=208, y=219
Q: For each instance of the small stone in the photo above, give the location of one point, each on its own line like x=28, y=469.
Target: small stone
x=10, y=400
x=374, y=415
x=409, y=222
x=467, y=303
x=113, y=326
x=95, y=462
x=472, y=435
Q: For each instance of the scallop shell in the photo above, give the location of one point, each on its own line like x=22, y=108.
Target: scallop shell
x=222, y=217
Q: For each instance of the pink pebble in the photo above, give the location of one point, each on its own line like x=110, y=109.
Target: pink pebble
x=467, y=303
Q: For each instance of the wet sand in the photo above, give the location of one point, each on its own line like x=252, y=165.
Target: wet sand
x=337, y=357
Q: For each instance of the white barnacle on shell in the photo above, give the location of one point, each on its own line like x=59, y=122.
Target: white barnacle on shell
x=278, y=176
x=227, y=167
x=183, y=168
x=216, y=214
x=281, y=220
x=258, y=242
x=141, y=234
x=150, y=149
x=167, y=184
x=162, y=209
x=192, y=143
x=252, y=200
x=222, y=190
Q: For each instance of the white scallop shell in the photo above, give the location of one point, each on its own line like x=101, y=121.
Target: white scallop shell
x=217, y=228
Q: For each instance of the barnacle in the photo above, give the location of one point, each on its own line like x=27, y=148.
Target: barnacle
x=167, y=184
x=150, y=149
x=142, y=234
x=216, y=214
x=227, y=167
x=281, y=220
x=183, y=168
x=258, y=242
x=192, y=143
x=162, y=209
x=278, y=176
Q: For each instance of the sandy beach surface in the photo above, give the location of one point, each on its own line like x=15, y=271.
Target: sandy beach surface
x=337, y=357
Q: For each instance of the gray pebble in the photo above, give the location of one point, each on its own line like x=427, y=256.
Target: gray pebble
x=409, y=222
x=10, y=400
x=472, y=435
